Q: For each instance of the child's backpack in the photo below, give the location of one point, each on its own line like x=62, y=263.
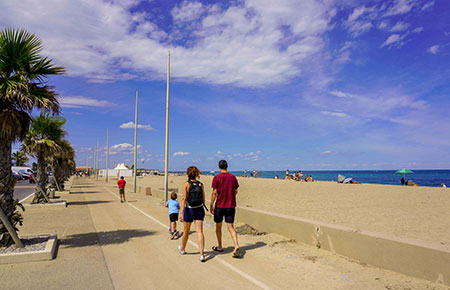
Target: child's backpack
x=195, y=194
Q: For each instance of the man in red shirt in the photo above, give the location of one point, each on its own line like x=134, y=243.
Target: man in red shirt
x=224, y=193
x=121, y=183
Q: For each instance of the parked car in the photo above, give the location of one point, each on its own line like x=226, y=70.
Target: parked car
x=25, y=175
x=17, y=176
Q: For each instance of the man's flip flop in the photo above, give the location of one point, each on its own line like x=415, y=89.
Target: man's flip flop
x=237, y=253
x=215, y=248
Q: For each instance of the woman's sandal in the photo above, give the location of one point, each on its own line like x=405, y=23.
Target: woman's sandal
x=237, y=253
x=216, y=249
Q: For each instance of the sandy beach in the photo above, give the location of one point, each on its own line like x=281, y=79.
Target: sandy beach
x=420, y=213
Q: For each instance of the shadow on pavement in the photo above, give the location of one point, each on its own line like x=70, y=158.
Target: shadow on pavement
x=102, y=238
x=88, y=202
x=82, y=192
x=229, y=250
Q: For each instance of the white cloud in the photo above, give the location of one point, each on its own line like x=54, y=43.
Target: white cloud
x=80, y=102
x=243, y=43
x=343, y=55
x=428, y=5
x=188, y=11
x=181, y=154
x=341, y=94
x=357, y=12
x=382, y=25
x=253, y=156
x=400, y=7
x=335, y=114
x=124, y=148
x=417, y=29
x=130, y=125
x=356, y=24
x=392, y=39
x=359, y=27
x=219, y=154
x=433, y=49
x=399, y=26
x=327, y=153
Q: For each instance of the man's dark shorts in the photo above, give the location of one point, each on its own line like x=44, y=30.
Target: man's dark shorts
x=191, y=214
x=228, y=213
x=122, y=190
x=173, y=217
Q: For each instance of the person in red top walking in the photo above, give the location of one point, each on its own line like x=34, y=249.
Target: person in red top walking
x=224, y=193
x=121, y=183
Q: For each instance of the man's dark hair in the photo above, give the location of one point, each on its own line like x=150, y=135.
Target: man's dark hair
x=223, y=164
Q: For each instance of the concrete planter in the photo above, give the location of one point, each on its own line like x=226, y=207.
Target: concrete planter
x=49, y=253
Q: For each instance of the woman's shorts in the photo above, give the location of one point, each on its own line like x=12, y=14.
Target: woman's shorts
x=191, y=214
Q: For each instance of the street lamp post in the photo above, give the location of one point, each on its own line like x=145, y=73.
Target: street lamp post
x=166, y=175
x=135, y=141
x=107, y=154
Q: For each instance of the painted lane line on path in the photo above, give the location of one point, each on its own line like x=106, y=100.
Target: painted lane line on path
x=223, y=262
x=25, y=198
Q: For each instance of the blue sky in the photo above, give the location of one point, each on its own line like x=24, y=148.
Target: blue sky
x=264, y=84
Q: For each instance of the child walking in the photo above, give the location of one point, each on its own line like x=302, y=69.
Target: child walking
x=174, y=208
x=121, y=184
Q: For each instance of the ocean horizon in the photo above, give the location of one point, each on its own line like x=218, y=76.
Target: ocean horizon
x=433, y=178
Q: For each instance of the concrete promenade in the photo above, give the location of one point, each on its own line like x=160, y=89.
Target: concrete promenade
x=105, y=244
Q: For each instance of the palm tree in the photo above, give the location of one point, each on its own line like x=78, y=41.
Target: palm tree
x=23, y=87
x=43, y=141
x=19, y=158
x=63, y=162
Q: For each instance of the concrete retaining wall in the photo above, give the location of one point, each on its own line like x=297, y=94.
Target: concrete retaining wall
x=414, y=258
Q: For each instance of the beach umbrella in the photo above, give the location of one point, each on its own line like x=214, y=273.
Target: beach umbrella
x=404, y=170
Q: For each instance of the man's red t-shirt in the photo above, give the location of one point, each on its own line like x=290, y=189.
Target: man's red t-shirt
x=121, y=183
x=226, y=185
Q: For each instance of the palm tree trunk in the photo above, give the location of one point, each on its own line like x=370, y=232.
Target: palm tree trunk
x=41, y=178
x=7, y=204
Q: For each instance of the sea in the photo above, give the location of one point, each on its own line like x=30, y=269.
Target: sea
x=434, y=178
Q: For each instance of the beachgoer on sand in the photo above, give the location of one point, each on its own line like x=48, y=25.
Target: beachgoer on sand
x=121, y=183
x=174, y=208
x=223, y=205
x=192, y=205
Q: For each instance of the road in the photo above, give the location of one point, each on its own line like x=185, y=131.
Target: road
x=23, y=189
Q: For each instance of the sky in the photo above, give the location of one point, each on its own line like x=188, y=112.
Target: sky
x=266, y=85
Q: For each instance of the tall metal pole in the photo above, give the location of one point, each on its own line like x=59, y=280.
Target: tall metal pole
x=94, y=158
x=96, y=163
x=135, y=141
x=166, y=175
x=107, y=153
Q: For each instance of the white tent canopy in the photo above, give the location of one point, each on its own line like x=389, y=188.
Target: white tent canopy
x=121, y=166
x=119, y=170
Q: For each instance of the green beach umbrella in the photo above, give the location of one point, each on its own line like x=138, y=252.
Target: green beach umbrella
x=404, y=170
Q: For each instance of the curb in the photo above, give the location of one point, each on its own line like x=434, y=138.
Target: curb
x=49, y=253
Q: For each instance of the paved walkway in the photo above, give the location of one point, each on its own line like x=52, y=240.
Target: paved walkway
x=106, y=244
